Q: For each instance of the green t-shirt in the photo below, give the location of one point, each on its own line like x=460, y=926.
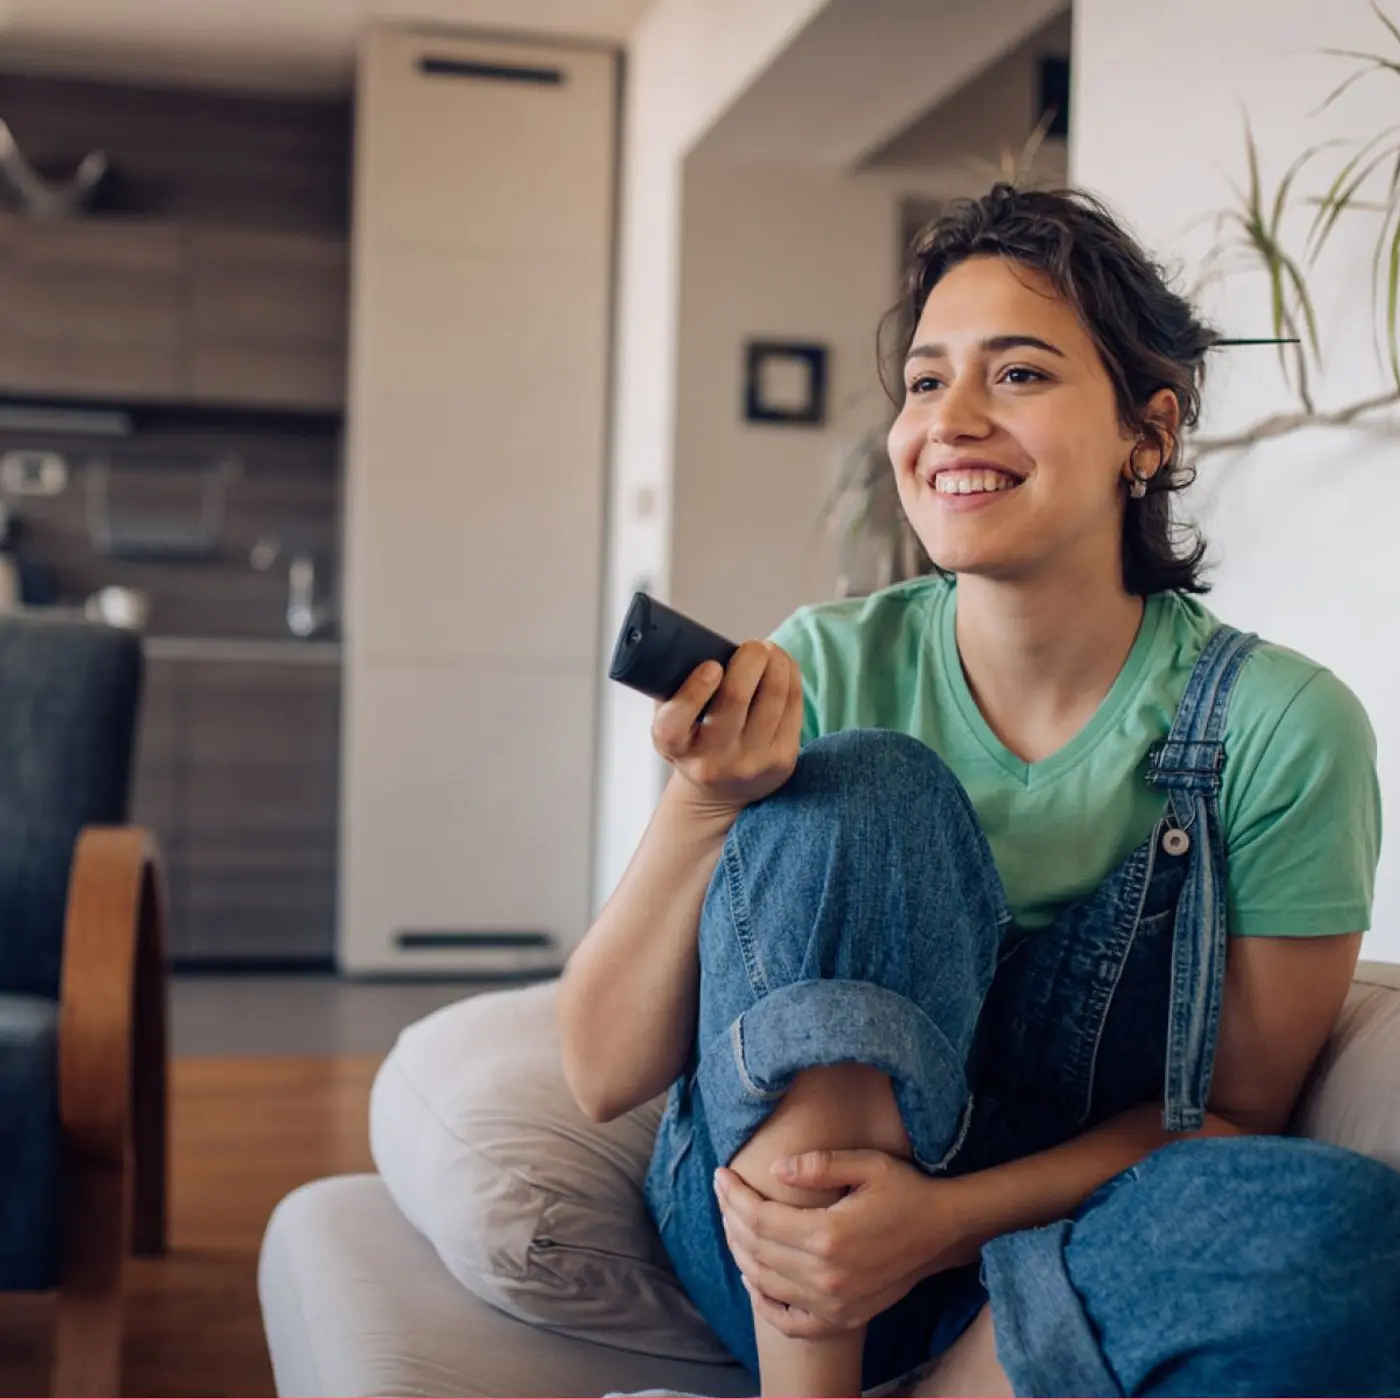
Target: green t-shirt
x=1300, y=798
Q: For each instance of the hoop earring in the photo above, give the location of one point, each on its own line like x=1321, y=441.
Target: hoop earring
x=1137, y=484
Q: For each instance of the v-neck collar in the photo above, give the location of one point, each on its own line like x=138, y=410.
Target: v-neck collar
x=1101, y=722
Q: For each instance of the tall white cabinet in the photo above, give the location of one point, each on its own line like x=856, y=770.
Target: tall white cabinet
x=479, y=348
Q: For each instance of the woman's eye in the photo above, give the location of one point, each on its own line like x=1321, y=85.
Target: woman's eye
x=922, y=384
x=1024, y=375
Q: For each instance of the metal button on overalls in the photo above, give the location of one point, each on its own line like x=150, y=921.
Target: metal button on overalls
x=1175, y=842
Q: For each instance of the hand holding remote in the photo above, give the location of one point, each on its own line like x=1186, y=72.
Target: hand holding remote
x=747, y=746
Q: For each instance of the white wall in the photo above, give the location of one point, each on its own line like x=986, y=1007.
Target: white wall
x=687, y=62
x=861, y=72
x=1304, y=529
x=777, y=255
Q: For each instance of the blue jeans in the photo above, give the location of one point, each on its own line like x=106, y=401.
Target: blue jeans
x=1221, y=1266
x=856, y=915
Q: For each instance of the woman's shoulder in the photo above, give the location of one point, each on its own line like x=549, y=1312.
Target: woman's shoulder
x=1300, y=798
x=1284, y=699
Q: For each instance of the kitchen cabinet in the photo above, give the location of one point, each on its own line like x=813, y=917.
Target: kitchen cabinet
x=237, y=774
x=167, y=313
x=267, y=319
x=90, y=309
x=481, y=270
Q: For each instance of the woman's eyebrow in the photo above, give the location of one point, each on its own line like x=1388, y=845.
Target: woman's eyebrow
x=992, y=346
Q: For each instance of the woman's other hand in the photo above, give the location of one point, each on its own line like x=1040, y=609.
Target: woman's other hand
x=817, y=1272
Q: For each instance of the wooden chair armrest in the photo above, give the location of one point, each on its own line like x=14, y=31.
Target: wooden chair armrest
x=111, y=1096
x=111, y=1035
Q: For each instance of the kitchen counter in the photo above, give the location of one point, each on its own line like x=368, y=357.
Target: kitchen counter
x=291, y=651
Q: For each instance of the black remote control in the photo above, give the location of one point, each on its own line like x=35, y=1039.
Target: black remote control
x=658, y=648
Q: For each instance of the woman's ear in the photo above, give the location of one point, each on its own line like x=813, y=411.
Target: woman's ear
x=1163, y=415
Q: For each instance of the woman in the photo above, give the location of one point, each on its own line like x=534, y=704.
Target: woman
x=967, y=898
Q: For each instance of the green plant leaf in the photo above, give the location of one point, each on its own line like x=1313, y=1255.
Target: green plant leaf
x=1253, y=200
x=1392, y=293
x=1345, y=186
x=1285, y=186
x=1343, y=86
x=1387, y=21
x=1374, y=60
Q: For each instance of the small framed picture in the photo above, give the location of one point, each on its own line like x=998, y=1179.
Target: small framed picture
x=784, y=382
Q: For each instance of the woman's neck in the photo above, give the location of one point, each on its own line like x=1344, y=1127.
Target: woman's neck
x=1040, y=657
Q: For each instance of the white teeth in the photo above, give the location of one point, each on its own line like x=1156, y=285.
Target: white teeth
x=972, y=481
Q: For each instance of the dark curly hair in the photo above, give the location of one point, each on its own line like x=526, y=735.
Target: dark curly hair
x=1148, y=336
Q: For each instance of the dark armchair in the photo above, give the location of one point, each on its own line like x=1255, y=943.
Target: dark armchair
x=82, y=989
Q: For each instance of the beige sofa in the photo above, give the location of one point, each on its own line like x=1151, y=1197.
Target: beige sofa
x=503, y=1248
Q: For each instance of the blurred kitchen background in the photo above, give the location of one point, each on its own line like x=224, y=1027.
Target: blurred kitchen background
x=308, y=372
x=173, y=372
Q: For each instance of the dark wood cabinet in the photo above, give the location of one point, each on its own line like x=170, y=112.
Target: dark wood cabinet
x=161, y=312
x=238, y=775
x=267, y=319
x=91, y=309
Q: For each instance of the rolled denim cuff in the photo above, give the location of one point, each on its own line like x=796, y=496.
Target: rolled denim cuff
x=745, y=1071
x=1045, y=1342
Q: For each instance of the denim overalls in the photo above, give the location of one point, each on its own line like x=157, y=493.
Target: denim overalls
x=857, y=915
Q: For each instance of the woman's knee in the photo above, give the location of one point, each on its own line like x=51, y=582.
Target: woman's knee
x=842, y=1107
x=868, y=773
x=872, y=848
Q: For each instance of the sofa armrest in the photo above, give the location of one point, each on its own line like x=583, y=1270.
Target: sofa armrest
x=1352, y=1097
x=112, y=1015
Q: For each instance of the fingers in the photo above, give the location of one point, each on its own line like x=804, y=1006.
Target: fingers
x=796, y=1323
x=673, y=725
x=770, y=701
x=774, y=1284
x=802, y=1228
x=790, y=730
x=751, y=1253
x=730, y=709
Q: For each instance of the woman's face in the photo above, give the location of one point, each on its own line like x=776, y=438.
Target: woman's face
x=1008, y=451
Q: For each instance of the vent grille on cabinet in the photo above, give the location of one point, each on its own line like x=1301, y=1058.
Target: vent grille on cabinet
x=414, y=939
x=434, y=66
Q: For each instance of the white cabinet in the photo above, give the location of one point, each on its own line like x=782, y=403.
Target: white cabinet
x=481, y=517
x=480, y=309
x=468, y=812
x=475, y=146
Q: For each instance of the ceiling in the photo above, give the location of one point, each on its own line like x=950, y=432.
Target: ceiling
x=861, y=72
x=273, y=45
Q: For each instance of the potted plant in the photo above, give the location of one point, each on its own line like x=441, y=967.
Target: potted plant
x=877, y=545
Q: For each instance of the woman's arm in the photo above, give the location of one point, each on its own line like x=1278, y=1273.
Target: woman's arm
x=836, y=1267
x=1282, y=998
x=629, y=996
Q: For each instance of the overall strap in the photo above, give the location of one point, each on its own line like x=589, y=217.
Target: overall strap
x=1188, y=764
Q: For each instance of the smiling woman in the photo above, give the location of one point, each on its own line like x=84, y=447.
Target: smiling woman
x=969, y=896
x=1119, y=352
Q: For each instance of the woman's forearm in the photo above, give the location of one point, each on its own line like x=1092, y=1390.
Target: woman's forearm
x=1051, y=1185
x=628, y=997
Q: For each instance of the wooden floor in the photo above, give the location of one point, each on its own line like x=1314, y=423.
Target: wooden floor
x=244, y=1133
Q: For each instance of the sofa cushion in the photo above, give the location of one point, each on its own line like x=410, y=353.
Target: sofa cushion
x=354, y=1302
x=1353, y=1096
x=528, y=1203
x=29, y=1164
x=539, y=1211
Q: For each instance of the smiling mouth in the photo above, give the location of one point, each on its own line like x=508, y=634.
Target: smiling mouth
x=973, y=481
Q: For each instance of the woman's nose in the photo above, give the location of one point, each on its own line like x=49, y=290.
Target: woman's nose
x=960, y=413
